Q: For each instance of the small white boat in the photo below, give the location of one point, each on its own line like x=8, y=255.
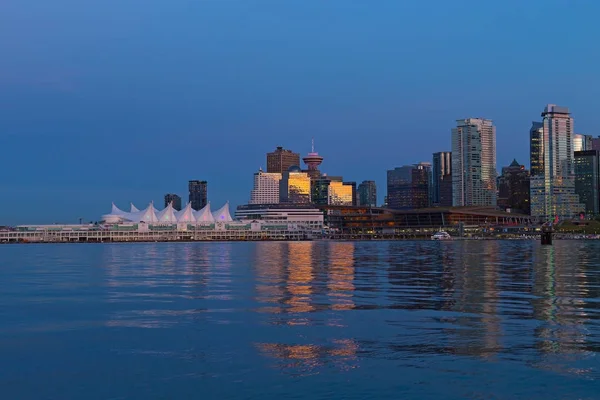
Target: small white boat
x=441, y=235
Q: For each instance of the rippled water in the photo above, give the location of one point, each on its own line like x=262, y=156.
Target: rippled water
x=300, y=320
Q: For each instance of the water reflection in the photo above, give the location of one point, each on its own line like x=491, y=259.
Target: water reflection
x=341, y=275
x=306, y=306
x=305, y=359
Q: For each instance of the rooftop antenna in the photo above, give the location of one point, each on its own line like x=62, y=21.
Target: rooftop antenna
x=313, y=145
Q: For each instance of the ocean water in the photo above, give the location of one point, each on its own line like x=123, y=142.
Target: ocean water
x=300, y=320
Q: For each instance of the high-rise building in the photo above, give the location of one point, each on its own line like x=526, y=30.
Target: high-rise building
x=173, y=198
x=399, y=186
x=408, y=186
x=420, y=180
x=332, y=190
x=266, y=188
x=474, y=163
x=294, y=187
x=582, y=142
x=552, y=190
x=198, y=194
x=442, y=168
x=513, y=188
x=280, y=160
x=446, y=191
x=367, y=194
x=587, y=180
x=312, y=161
x=536, y=148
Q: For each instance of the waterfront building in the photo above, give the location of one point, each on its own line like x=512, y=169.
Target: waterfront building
x=474, y=163
x=266, y=188
x=441, y=168
x=367, y=194
x=198, y=194
x=312, y=161
x=354, y=222
x=587, y=180
x=552, y=189
x=280, y=160
x=596, y=143
x=513, y=188
x=173, y=198
x=294, y=187
x=301, y=215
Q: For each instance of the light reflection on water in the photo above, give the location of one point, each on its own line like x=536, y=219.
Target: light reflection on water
x=513, y=319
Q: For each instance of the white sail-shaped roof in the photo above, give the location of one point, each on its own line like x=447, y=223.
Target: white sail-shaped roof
x=186, y=215
x=204, y=215
x=222, y=214
x=148, y=215
x=134, y=209
x=167, y=215
x=116, y=210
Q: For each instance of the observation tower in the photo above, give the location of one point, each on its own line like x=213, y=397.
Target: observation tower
x=312, y=161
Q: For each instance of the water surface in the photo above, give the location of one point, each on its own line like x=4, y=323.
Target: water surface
x=300, y=320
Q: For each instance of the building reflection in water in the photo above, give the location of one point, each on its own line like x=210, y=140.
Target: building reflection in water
x=299, y=279
x=341, y=275
x=560, y=288
x=290, y=276
x=306, y=359
x=477, y=329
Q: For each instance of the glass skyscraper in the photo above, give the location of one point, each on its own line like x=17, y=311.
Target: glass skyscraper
x=442, y=169
x=367, y=194
x=587, y=180
x=198, y=194
x=552, y=187
x=474, y=163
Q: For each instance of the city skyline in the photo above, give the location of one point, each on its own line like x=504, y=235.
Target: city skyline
x=201, y=95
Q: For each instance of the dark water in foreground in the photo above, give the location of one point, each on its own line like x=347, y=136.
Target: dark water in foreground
x=338, y=320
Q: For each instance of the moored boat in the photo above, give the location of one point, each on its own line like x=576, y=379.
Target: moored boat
x=441, y=235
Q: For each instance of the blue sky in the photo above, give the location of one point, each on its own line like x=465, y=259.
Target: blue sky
x=125, y=100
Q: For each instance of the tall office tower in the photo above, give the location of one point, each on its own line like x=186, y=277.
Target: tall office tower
x=582, y=142
x=474, y=163
x=536, y=148
x=446, y=192
x=587, y=180
x=552, y=190
x=421, y=181
x=399, y=187
x=266, y=188
x=176, y=200
x=198, y=194
x=367, y=194
x=280, y=160
x=408, y=186
x=513, y=188
x=294, y=187
x=442, y=167
x=312, y=161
